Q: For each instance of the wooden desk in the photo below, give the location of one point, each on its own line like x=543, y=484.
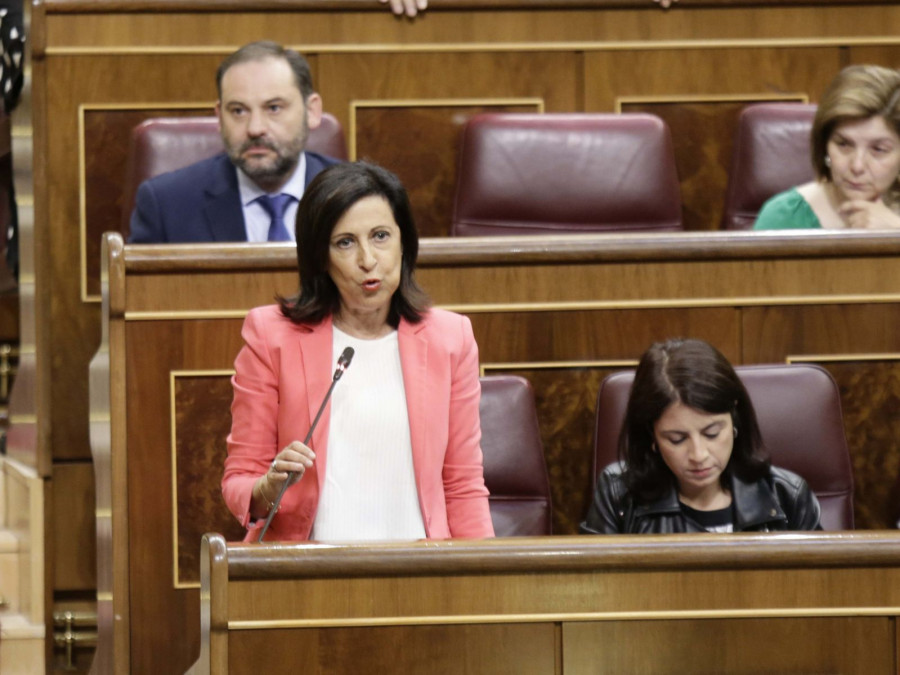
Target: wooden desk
x=567, y=605
x=563, y=312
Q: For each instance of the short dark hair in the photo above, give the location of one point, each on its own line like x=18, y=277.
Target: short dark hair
x=325, y=200
x=856, y=93
x=694, y=373
x=266, y=49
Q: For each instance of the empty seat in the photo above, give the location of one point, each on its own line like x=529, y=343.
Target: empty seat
x=565, y=173
x=771, y=154
x=514, y=468
x=798, y=408
x=164, y=144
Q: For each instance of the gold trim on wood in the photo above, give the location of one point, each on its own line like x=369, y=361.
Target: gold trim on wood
x=555, y=365
x=200, y=315
x=839, y=358
x=774, y=613
x=451, y=47
x=798, y=97
x=431, y=103
x=82, y=174
x=576, y=306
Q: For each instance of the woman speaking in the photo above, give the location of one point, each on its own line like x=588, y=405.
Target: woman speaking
x=396, y=453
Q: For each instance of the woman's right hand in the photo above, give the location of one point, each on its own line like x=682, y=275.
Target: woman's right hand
x=294, y=459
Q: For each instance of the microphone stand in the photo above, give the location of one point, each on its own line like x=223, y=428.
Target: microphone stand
x=343, y=364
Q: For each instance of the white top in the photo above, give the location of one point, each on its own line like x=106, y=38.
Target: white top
x=369, y=491
x=256, y=219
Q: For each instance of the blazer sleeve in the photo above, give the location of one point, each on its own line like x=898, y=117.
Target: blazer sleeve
x=253, y=441
x=146, y=225
x=468, y=513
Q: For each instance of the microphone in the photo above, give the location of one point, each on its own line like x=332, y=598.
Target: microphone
x=343, y=363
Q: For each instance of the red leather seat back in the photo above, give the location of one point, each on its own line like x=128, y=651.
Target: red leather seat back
x=771, y=154
x=565, y=173
x=514, y=468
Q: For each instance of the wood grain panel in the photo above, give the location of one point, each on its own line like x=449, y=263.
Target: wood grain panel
x=436, y=650
x=661, y=73
x=385, y=133
x=73, y=535
x=549, y=76
x=202, y=423
x=736, y=646
x=870, y=398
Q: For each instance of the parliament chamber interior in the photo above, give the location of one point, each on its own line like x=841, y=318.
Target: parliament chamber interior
x=584, y=176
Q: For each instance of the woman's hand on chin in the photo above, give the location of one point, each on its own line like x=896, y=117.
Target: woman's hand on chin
x=862, y=214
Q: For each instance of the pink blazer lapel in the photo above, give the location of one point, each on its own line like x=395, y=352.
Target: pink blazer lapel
x=414, y=361
x=316, y=348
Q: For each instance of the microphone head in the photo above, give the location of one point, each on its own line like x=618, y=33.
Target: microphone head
x=345, y=358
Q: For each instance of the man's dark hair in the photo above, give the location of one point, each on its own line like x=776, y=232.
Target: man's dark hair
x=265, y=49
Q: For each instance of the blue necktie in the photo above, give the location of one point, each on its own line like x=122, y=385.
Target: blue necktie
x=275, y=206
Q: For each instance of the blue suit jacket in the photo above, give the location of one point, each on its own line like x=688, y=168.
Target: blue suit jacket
x=199, y=203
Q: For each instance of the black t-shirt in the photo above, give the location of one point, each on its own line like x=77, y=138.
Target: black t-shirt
x=720, y=520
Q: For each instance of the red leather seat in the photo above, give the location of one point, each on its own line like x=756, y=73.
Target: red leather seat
x=798, y=408
x=164, y=144
x=514, y=468
x=565, y=173
x=771, y=154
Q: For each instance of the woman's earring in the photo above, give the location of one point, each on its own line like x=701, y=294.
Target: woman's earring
x=653, y=447
x=828, y=161
x=735, y=431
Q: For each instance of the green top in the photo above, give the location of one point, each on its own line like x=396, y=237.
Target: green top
x=787, y=211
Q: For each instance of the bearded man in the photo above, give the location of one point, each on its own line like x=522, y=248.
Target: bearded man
x=250, y=192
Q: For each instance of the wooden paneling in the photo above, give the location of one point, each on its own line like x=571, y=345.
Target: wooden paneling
x=525, y=649
x=74, y=541
x=737, y=646
x=201, y=425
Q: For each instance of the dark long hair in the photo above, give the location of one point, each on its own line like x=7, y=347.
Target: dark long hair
x=325, y=200
x=694, y=373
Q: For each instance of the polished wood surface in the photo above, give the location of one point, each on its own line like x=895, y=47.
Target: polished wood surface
x=563, y=312
x=770, y=599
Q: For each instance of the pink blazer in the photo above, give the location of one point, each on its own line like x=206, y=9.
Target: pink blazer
x=281, y=376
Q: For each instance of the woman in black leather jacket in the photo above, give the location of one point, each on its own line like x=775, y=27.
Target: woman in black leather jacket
x=693, y=455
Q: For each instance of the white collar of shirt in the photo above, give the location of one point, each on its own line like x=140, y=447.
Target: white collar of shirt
x=256, y=218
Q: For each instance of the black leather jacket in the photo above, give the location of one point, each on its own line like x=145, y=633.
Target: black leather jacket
x=781, y=501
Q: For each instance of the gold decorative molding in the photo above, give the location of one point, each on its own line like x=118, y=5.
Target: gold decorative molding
x=575, y=306
x=798, y=97
x=811, y=612
x=451, y=47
